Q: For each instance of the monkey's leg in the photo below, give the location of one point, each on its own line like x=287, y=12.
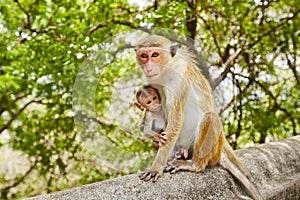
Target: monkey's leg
x=161, y=158
x=207, y=147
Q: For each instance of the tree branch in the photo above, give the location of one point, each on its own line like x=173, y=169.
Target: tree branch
x=277, y=105
x=208, y=27
x=5, y=190
x=15, y=115
x=236, y=96
x=293, y=68
x=17, y=98
x=94, y=119
x=227, y=65
x=28, y=23
x=191, y=21
x=268, y=92
x=273, y=29
x=120, y=22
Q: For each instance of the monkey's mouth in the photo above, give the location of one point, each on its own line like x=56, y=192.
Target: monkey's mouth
x=152, y=75
x=155, y=108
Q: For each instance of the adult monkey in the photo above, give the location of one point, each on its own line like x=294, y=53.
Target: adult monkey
x=192, y=119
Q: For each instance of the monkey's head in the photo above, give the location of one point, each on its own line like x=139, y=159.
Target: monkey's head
x=149, y=98
x=153, y=54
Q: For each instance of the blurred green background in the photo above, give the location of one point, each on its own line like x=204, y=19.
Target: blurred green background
x=44, y=44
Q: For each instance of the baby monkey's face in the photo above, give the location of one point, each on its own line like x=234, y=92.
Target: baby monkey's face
x=149, y=99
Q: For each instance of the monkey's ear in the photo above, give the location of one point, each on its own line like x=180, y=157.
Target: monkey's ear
x=173, y=49
x=139, y=106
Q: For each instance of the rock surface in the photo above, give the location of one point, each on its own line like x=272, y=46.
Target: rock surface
x=274, y=166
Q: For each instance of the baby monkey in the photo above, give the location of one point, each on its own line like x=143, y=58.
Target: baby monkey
x=154, y=120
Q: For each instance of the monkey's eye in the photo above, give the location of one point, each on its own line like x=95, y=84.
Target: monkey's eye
x=143, y=55
x=148, y=102
x=154, y=98
x=155, y=54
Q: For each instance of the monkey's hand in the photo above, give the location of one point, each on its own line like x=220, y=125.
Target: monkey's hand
x=139, y=106
x=162, y=139
x=149, y=174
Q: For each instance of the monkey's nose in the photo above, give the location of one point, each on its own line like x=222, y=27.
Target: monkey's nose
x=148, y=69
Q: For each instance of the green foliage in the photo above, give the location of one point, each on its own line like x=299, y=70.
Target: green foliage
x=47, y=46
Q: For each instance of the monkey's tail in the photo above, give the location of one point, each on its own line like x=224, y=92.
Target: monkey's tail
x=251, y=189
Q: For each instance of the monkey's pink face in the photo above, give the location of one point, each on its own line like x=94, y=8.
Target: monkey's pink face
x=151, y=60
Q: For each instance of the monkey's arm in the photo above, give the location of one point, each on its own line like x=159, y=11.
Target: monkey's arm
x=175, y=120
x=158, y=137
x=148, y=126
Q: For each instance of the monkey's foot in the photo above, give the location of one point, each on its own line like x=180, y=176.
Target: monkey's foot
x=180, y=165
x=182, y=153
x=163, y=138
x=150, y=174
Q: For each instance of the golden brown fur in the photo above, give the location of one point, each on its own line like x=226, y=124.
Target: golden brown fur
x=192, y=120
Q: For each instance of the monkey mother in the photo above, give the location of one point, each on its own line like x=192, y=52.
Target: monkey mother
x=192, y=120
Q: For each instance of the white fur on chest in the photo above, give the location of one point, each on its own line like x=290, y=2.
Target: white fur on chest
x=192, y=118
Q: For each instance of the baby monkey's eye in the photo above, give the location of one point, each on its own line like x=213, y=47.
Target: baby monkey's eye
x=148, y=102
x=155, y=54
x=154, y=98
